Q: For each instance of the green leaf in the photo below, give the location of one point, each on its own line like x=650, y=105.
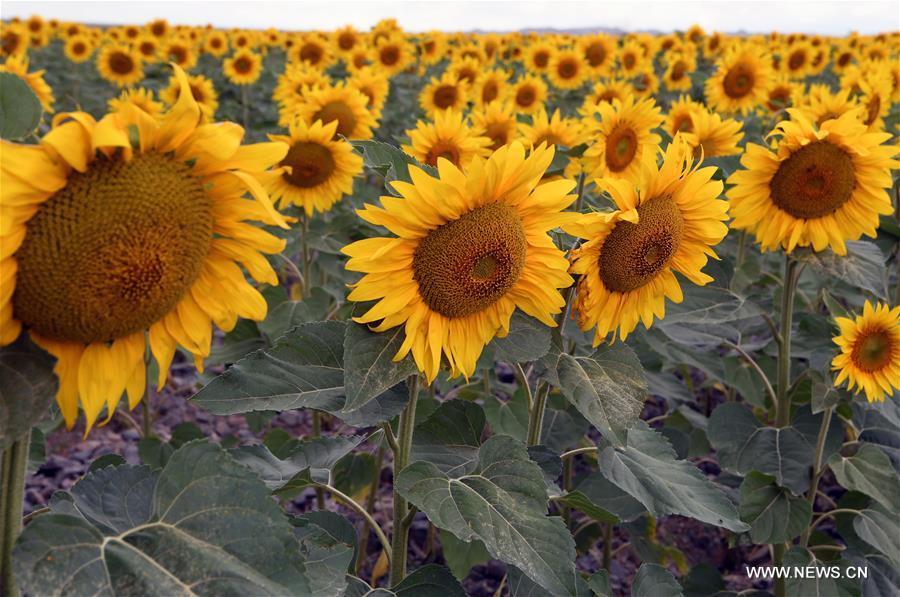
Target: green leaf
x=340, y=528
x=775, y=516
x=862, y=267
x=743, y=444
x=27, y=386
x=604, y=494
x=154, y=452
x=287, y=314
x=599, y=584
x=508, y=417
x=880, y=529
x=503, y=502
x=354, y=473
x=203, y=524
x=430, y=580
x=703, y=580
x=369, y=366
x=870, y=472
x=105, y=461
x=647, y=469
x=652, y=580
x=326, y=557
x=20, y=108
x=608, y=388
x=389, y=161
x=462, y=556
x=819, y=585
x=521, y=586
x=450, y=437
x=579, y=501
x=528, y=340
x=823, y=394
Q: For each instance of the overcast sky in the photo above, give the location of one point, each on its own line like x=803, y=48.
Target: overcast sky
x=836, y=17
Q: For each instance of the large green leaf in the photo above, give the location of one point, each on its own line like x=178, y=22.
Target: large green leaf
x=774, y=515
x=428, y=581
x=327, y=555
x=462, y=556
x=607, y=496
x=288, y=314
x=205, y=526
x=880, y=529
x=528, y=340
x=652, y=580
x=647, y=469
x=862, y=267
x=302, y=369
x=369, y=366
x=20, y=108
x=502, y=502
x=608, y=387
x=744, y=444
x=450, y=437
x=870, y=472
x=818, y=584
x=27, y=386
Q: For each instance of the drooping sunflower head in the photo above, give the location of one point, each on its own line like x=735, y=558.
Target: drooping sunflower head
x=821, y=187
x=317, y=171
x=870, y=351
x=448, y=137
x=496, y=121
x=667, y=222
x=120, y=64
x=528, y=94
x=471, y=247
x=622, y=137
x=446, y=93
x=341, y=103
x=127, y=226
x=740, y=81
x=243, y=67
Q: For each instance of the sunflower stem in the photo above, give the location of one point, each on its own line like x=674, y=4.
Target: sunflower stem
x=579, y=202
x=317, y=432
x=370, y=509
x=12, y=484
x=305, y=255
x=245, y=104
x=401, y=508
x=536, y=416
x=741, y=250
x=146, y=408
x=607, y=545
x=817, y=468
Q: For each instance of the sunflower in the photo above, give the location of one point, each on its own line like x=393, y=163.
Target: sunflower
x=372, y=84
x=783, y=93
x=471, y=247
x=243, y=67
x=18, y=65
x=555, y=130
x=796, y=62
x=567, y=69
x=120, y=64
x=680, y=118
x=677, y=75
x=669, y=223
x=491, y=85
x=820, y=104
x=346, y=39
x=179, y=52
x=465, y=69
x=605, y=92
x=292, y=83
x=821, y=186
x=876, y=98
x=202, y=90
x=538, y=56
x=147, y=47
x=125, y=225
x=78, y=49
x=13, y=40
x=312, y=50
x=317, y=171
x=393, y=54
x=598, y=52
x=646, y=84
x=496, y=121
x=740, y=81
x=432, y=47
x=216, y=44
x=339, y=102
x=529, y=94
x=843, y=56
x=632, y=60
x=445, y=93
x=870, y=352
x=158, y=28
x=713, y=136
x=448, y=137
x=140, y=98
x=622, y=137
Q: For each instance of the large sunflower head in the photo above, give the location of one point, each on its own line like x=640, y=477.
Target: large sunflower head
x=496, y=121
x=668, y=222
x=471, y=247
x=446, y=93
x=128, y=226
x=120, y=64
x=622, y=137
x=448, y=137
x=317, y=171
x=243, y=67
x=740, y=81
x=341, y=103
x=870, y=351
x=18, y=65
x=820, y=187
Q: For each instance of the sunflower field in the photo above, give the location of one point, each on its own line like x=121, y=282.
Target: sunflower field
x=440, y=314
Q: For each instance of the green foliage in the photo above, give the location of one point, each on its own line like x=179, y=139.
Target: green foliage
x=27, y=386
x=20, y=109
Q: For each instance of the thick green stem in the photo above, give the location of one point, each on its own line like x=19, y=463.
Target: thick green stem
x=536, y=416
x=607, y=545
x=12, y=477
x=783, y=397
x=305, y=256
x=401, y=459
x=146, y=407
x=741, y=250
x=817, y=468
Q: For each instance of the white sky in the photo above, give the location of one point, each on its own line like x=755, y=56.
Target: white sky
x=832, y=17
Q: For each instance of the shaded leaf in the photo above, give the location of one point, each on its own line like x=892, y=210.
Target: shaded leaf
x=652, y=580
x=775, y=516
x=27, y=387
x=880, y=529
x=528, y=340
x=462, y=556
x=20, y=108
x=369, y=366
x=450, y=437
x=389, y=161
x=862, y=267
x=870, y=472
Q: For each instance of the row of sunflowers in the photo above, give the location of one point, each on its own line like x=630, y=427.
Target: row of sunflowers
x=454, y=197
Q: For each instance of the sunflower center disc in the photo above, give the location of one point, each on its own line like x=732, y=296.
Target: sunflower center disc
x=311, y=165
x=121, y=63
x=489, y=92
x=468, y=264
x=525, y=97
x=390, y=55
x=621, y=145
x=114, y=250
x=242, y=65
x=337, y=111
x=541, y=59
x=498, y=132
x=595, y=54
x=633, y=254
x=873, y=351
x=567, y=69
x=442, y=149
x=445, y=96
x=815, y=181
x=738, y=81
